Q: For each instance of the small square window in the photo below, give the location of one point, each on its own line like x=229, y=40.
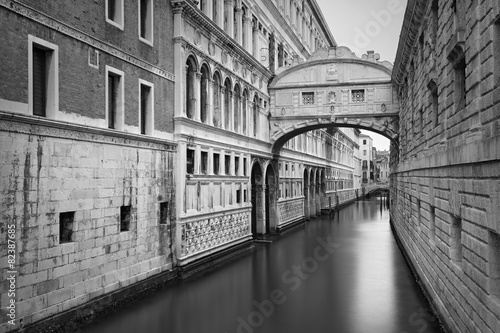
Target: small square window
x=308, y=98
x=114, y=13
x=358, y=96
x=66, y=227
x=125, y=214
x=164, y=212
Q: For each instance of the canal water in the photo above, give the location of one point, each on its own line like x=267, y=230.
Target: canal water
x=342, y=274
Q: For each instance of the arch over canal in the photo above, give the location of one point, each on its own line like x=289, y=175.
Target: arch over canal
x=333, y=88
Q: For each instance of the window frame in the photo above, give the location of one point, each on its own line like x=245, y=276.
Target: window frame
x=149, y=23
x=52, y=76
x=120, y=101
x=119, y=23
x=149, y=129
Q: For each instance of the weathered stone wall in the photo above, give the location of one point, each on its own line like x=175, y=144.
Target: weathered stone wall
x=47, y=171
x=446, y=181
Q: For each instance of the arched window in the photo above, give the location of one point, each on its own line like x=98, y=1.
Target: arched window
x=204, y=93
x=255, y=114
x=217, y=101
x=244, y=113
x=190, y=84
x=236, y=109
x=227, y=104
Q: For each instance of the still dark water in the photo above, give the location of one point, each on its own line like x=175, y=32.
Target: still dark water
x=344, y=274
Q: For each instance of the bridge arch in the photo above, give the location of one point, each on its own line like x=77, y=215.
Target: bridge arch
x=334, y=88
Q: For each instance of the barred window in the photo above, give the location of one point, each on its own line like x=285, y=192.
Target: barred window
x=358, y=96
x=308, y=98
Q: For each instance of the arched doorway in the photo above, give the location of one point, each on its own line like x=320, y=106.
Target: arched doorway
x=271, y=199
x=307, y=208
x=256, y=181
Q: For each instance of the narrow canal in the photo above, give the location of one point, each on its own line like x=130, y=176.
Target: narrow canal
x=343, y=274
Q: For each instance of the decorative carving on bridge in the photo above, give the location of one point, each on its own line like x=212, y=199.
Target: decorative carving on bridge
x=197, y=236
x=332, y=73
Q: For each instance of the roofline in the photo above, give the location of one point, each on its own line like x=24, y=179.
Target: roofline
x=414, y=15
x=321, y=20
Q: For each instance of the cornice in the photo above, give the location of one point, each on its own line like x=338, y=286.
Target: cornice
x=414, y=16
x=318, y=14
x=234, y=48
x=73, y=131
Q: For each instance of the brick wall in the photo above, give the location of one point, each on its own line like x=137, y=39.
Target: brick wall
x=446, y=184
x=48, y=171
x=82, y=87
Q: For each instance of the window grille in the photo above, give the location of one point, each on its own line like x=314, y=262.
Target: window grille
x=308, y=98
x=358, y=96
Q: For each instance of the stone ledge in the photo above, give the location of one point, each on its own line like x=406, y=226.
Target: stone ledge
x=34, y=125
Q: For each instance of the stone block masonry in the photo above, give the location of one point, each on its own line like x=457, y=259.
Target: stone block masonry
x=56, y=171
x=445, y=180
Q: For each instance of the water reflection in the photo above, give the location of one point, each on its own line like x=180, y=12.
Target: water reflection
x=343, y=274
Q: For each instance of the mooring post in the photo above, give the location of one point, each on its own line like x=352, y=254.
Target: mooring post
x=330, y=206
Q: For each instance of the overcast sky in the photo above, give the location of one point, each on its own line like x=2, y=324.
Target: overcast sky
x=364, y=25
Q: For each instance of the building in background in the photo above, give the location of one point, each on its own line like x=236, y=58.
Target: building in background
x=382, y=166
x=366, y=152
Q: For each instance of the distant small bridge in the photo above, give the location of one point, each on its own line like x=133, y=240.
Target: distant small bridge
x=374, y=189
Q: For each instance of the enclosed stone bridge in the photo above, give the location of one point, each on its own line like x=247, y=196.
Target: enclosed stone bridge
x=333, y=88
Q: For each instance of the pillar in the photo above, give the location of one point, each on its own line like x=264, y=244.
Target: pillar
x=222, y=107
x=247, y=26
x=230, y=121
x=210, y=101
x=229, y=17
x=239, y=26
x=180, y=68
x=255, y=40
x=209, y=9
x=220, y=13
x=197, y=96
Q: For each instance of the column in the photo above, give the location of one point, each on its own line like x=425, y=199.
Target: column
x=197, y=96
x=239, y=26
x=220, y=13
x=209, y=6
x=299, y=25
x=180, y=68
x=210, y=102
x=247, y=27
x=240, y=116
x=230, y=121
x=229, y=17
x=250, y=123
x=222, y=107
x=255, y=40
